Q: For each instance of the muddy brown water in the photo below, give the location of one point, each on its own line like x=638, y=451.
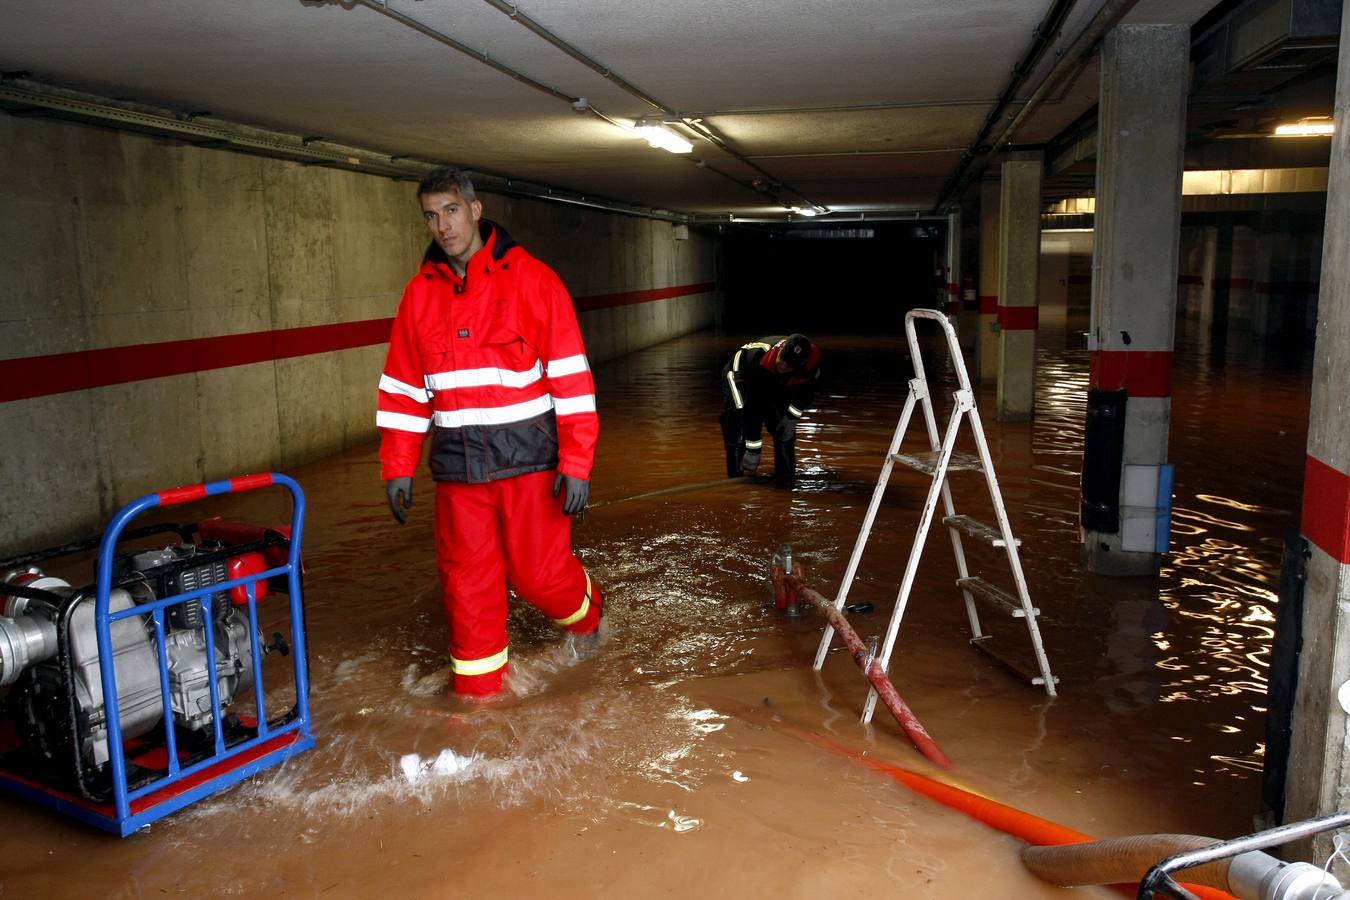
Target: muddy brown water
x=668, y=761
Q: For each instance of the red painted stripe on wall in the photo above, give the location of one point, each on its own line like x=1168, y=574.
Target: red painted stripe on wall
x=58, y=373
x=1234, y=283
x=40, y=376
x=1326, y=508
x=989, y=304
x=1191, y=279
x=628, y=298
x=1018, y=318
x=1144, y=373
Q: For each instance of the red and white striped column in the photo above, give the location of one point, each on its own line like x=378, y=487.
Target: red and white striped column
x=1318, y=777
x=1141, y=130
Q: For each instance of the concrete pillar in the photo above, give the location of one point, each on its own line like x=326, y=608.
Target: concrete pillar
x=1140, y=136
x=951, y=265
x=1019, y=254
x=986, y=338
x=968, y=312
x=1318, y=777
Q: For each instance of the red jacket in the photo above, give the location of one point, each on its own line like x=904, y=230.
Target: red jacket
x=495, y=362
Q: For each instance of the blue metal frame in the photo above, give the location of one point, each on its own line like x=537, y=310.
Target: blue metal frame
x=124, y=821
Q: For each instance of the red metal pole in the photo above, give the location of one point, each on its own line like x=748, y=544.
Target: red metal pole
x=792, y=584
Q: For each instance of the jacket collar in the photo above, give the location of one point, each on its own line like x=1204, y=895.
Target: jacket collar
x=496, y=243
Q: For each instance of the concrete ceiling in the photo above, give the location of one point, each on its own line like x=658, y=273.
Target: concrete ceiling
x=854, y=105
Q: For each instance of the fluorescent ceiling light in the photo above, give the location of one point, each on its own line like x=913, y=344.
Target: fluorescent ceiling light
x=658, y=135
x=1306, y=127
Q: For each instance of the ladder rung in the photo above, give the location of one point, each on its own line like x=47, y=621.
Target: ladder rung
x=1026, y=672
x=979, y=530
x=927, y=462
x=995, y=595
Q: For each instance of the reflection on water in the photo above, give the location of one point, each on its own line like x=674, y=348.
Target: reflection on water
x=597, y=750
x=1237, y=435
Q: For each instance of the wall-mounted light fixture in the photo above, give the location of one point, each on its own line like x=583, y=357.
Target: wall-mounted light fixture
x=1312, y=126
x=658, y=135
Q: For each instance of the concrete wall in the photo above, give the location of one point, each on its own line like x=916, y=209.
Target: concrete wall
x=111, y=239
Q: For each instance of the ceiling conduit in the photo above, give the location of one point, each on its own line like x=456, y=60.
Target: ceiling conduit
x=577, y=103
x=696, y=125
x=25, y=97
x=1070, y=62
x=1044, y=35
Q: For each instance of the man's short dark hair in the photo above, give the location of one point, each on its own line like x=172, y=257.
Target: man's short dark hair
x=447, y=179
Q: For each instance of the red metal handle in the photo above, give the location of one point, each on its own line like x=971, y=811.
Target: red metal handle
x=188, y=493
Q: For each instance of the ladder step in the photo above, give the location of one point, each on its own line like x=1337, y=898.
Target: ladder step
x=995, y=595
x=927, y=462
x=979, y=530
x=1026, y=671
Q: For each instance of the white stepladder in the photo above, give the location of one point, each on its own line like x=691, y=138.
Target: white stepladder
x=937, y=463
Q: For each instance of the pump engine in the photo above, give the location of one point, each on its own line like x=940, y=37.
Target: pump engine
x=49, y=656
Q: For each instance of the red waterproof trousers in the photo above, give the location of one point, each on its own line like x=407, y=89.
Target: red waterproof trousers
x=488, y=534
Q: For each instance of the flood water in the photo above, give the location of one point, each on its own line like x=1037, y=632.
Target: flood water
x=672, y=760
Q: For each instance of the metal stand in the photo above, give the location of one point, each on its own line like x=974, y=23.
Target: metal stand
x=937, y=463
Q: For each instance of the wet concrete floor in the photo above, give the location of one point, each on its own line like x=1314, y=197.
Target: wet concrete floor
x=670, y=761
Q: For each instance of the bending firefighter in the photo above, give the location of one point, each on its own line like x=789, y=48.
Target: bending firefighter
x=767, y=383
x=486, y=357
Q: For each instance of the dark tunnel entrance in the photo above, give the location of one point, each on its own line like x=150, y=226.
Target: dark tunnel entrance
x=856, y=277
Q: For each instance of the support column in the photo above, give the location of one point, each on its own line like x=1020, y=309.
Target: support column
x=1019, y=254
x=1319, y=756
x=1141, y=133
x=951, y=265
x=968, y=315
x=986, y=338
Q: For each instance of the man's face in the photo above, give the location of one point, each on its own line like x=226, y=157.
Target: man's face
x=453, y=224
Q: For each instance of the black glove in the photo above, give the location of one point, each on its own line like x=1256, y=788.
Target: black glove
x=750, y=462
x=578, y=492
x=786, y=430
x=399, y=492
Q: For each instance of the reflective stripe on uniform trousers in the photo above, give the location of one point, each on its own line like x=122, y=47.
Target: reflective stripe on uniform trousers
x=794, y=411
x=754, y=445
x=585, y=607
x=478, y=666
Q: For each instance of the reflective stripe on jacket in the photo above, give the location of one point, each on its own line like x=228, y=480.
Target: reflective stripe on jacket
x=492, y=365
x=751, y=378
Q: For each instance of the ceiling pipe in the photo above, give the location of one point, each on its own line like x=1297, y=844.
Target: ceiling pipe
x=513, y=12
x=18, y=96
x=1043, y=37
x=1071, y=61
x=482, y=56
x=696, y=125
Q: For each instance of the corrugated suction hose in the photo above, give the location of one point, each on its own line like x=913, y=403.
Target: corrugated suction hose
x=1123, y=860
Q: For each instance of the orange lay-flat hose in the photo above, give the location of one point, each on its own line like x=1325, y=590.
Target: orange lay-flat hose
x=1021, y=825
